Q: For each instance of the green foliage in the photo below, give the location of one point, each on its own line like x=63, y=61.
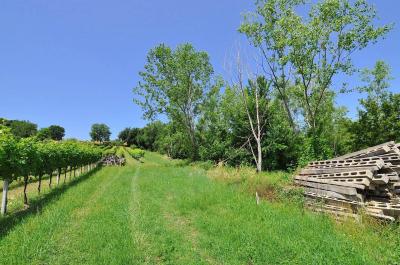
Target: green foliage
x=301, y=54
x=378, y=118
x=43, y=134
x=129, y=136
x=205, y=221
x=136, y=153
x=148, y=136
x=175, y=83
x=378, y=121
x=9, y=158
x=21, y=129
x=100, y=133
x=304, y=53
x=28, y=156
x=56, y=132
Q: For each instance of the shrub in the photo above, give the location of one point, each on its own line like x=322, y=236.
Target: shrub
x=136, y=153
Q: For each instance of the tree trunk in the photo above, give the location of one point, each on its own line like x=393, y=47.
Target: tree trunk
x=4, y=199
x=58, y=176
x=39, y=184
x=65, y=174
x=50, y=177
x=26, y=178
x=74, y=172
x=289, y=115
x=259, y=156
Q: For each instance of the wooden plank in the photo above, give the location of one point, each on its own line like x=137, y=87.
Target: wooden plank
x=364, y=151
x=347, y=174
x=332, y=194
x=381, y=216
x=359, y=181
x=328, y=187
x=390, y=209
x=377, y=152
x=320, y=171
x=351, y=184
x=378, y=162
x=352, y=160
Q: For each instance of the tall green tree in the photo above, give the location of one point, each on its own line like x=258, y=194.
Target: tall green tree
x=148, y=136
x=302, y=54
x=174, y=83
x=100, y=132
x=56, y=132
x=129, y=136
x=378, y=118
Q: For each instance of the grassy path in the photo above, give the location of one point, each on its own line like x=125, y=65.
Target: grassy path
x=159, y=213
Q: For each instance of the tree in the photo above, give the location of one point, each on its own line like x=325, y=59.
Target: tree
x=56, y=132
x=43, y=134
x=125, y=135
x=174, y=83
x=213, y=128
x=253, y=101
x=129, y=136
x=378, y=118
x=100, y=133
x=21, y=129
x=302, y=54
x=147, y=137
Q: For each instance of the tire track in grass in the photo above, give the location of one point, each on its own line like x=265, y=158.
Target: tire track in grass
x=99, y=231
x=161, y=235
x=140, y=239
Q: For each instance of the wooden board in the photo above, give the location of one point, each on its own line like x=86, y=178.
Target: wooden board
x=320, y=171
x=351, y=184
x=365, y=151
x=332, y=194
x=328, y=187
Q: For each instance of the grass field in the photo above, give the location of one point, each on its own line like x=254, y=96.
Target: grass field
x=160, y=212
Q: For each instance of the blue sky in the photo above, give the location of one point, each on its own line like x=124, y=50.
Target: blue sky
x=74, y=62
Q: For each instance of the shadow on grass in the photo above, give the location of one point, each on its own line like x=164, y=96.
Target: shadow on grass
x=36, y=205
x=20, y=182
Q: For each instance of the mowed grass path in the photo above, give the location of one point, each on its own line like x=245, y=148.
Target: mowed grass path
x=159, y=213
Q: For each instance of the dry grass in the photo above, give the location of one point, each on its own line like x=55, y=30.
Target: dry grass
x=268, y=185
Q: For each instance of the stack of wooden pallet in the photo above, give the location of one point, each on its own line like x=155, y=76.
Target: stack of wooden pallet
x=364, y=181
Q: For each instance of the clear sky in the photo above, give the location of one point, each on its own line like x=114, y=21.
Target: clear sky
x=75, y=62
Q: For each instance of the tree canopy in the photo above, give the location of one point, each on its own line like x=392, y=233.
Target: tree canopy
x=100, y=132
x=21, y=129
x=174, y=83
x=56, y=132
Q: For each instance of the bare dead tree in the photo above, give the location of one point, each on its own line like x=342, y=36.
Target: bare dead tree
x=254, y=101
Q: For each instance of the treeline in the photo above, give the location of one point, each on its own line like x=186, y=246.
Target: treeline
x=23, y=129
x=279, y=111
x=31, y=158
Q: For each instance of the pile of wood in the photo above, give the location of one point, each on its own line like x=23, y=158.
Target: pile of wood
x=365, y=181
x=113, y=160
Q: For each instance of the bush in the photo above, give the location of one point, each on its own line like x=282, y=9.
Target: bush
x=136, y=153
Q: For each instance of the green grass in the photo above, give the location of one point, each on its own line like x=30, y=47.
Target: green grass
x=159, y=212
